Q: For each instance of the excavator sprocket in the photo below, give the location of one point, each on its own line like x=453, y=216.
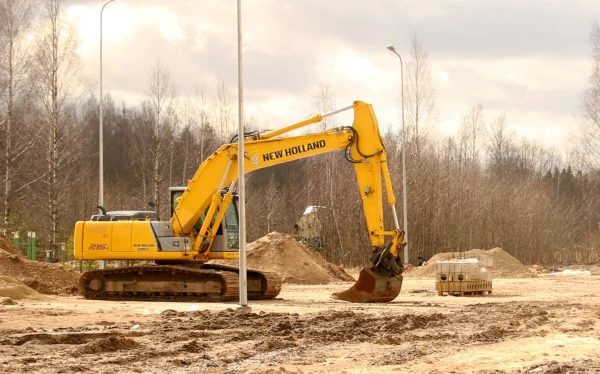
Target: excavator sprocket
x=372, y=287
x=176, y=283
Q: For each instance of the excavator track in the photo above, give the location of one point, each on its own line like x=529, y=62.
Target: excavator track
x=210, y=283
x=270, y=283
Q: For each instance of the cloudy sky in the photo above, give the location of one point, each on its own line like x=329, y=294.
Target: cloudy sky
x=528, y=59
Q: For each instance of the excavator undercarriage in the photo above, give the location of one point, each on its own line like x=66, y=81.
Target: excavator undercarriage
x=177, y=282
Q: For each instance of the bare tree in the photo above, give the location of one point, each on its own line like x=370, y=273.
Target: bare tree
x=589, y=123
x=202, y=106
x=223, y=108
x=161, y=94
x=186, y=116
x=139, y=140
x=195, y=134
x=15, y=56
x=420, y=93
x=324, y=102
x=500, y=143
x=56, y=71
x=274, y=204
x=472, y=130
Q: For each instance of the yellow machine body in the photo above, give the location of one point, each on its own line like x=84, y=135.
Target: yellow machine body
x=127, y=240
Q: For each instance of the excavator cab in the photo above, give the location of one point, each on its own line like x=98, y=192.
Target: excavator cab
x=228, y=232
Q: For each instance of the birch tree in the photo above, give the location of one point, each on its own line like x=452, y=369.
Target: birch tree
x=15, y=56
x=139, y=141
x=499, y=148
x=420, y=117
x=205, y=131
x=187, y=118
x=196, y=136
x=161, y=95
x=420, y=93
x=324, y=102
x=56, y=70
x=472, y=130
x=223, y=111
x=589, y=123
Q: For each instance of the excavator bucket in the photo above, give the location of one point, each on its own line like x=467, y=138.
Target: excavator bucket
x=371, y=287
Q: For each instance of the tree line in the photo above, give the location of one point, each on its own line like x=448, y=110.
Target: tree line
x=480, y=188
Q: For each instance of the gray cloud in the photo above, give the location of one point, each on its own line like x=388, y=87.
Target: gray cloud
x=127, y=66
x=286, y=39
x=450, y=28
x=473, y=88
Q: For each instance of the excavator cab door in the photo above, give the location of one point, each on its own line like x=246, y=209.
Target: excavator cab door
x=174, y=194
x=227, y=238
x=231, y=222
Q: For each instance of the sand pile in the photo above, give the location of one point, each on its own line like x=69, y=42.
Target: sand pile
x=16, y=290
x=295, y=263
x=505, y=265
x=43, y=277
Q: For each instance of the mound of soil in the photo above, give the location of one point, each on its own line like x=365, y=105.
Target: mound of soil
x=280, y=253
x=7, y=245
x=110, y=344
x=273, y=343
x=505, y=265
x=15, y=290
x=43, y=277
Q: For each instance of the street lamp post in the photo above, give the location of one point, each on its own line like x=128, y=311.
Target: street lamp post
x=241, y=178
x=405, y=214
x=101, y=131
x=101, y=135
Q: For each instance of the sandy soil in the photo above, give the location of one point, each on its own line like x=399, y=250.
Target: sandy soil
x=534, y=325
x=46, y=278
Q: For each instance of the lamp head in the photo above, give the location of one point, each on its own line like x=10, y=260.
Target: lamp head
x=391, y=48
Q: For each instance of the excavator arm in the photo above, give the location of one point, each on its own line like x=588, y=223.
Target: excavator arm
x=362, y=146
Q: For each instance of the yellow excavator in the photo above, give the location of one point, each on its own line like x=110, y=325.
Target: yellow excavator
x=204, y=224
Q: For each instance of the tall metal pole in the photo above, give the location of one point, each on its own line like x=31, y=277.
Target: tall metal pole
x=404, y=191
x=241, y=178
x=101, y=132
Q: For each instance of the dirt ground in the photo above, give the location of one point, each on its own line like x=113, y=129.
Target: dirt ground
x=533, y=325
